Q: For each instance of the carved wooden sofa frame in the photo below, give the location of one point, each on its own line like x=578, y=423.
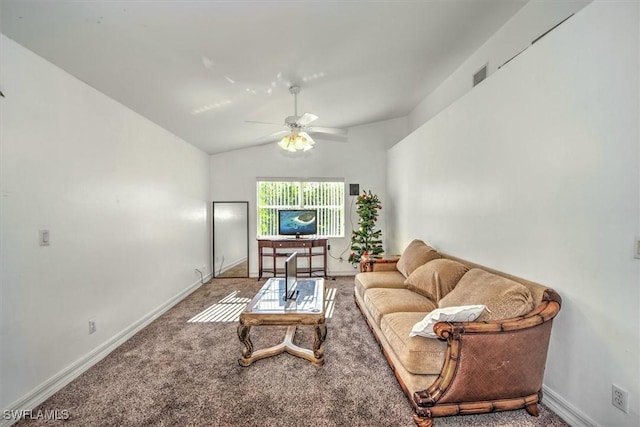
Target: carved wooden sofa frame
x=474, y=379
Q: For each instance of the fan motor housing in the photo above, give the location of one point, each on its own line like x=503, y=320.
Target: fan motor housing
x=291, y=120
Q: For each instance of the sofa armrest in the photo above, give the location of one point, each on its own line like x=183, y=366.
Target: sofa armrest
x=491, y=361
x=545, y=311
x=368, y=264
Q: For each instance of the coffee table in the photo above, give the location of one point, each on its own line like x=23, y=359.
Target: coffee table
x=268, y=308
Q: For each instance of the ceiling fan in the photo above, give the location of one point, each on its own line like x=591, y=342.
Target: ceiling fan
x=296, y=137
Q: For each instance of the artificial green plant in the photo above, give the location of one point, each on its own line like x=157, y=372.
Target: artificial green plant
x=365, y=240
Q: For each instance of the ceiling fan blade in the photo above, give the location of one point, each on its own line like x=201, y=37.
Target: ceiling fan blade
x=306, y=118
x=273, y=136
x=330, y=131
x=263, y=123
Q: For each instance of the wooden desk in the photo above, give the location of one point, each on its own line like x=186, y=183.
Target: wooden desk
x=282, y=248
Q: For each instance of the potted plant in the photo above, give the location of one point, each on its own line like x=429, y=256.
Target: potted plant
x=365, y=240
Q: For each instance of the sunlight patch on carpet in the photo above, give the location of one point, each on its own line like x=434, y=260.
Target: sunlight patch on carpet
x=329, y=302
x=228, y=309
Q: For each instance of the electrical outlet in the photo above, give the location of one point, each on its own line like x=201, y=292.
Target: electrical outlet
x=619, y=398
x=44, y=237
x=92, y=326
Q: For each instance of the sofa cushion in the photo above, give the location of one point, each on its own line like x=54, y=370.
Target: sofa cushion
x=462, y=313
x=503, y=297
x=436, y=278
x=381, y=301
x=418, y=355
x=415, y=254
x=378, y=279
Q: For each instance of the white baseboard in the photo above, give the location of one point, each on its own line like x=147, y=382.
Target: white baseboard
x=565, y=410
x=351, y=272
x=45, y=390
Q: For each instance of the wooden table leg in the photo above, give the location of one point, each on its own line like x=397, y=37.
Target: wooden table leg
x=321, y=335
x=247, y=351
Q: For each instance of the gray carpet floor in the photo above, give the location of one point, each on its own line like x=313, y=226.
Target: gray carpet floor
x=180, y=373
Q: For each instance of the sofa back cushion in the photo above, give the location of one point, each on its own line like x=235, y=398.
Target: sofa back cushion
x=503, y=297
x=436, y=278
x=415, y=254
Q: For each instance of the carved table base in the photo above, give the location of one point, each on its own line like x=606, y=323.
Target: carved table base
x=315, y=356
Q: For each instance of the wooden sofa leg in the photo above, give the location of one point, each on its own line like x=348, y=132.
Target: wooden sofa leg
x=423, y=421
x=532, y=409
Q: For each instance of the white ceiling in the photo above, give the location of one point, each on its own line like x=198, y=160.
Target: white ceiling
x=201, y=69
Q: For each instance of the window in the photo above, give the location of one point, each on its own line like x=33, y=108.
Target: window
x=325, y=196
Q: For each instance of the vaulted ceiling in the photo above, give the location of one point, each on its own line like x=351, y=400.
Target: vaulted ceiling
x=202, y=69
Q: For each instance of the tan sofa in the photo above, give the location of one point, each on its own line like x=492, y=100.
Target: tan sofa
x=494, y=363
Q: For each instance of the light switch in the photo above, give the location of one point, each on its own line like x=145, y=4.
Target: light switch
x=636, y=252
x=44, y=237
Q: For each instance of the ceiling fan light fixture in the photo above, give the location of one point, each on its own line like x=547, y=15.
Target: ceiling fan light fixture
x=284, y=143
x=296, y=142
x=300, y=143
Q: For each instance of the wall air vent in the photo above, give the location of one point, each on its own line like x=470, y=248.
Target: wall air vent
x=480, y=75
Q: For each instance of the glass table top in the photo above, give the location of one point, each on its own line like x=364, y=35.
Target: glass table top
x=270, y=298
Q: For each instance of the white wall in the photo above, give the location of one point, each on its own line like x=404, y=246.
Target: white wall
x=360, y=160
x=126, y=205
x=529, y=23
x=535, y=172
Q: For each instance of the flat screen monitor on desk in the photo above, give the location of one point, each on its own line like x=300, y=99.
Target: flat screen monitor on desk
x=291, y=277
